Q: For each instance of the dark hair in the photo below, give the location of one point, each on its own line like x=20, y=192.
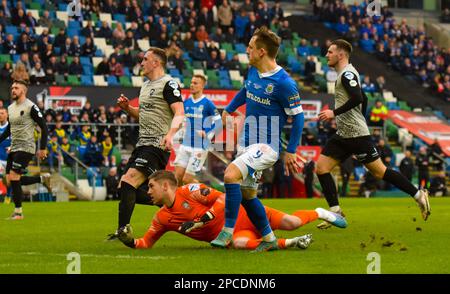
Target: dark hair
x=161, y=175
x=23, y=82
x=268, y=40
x=161, y=53
x=343, y=45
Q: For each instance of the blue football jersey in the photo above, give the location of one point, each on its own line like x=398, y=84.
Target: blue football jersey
x=270, y=97
x=201, y=115
x=5, y=144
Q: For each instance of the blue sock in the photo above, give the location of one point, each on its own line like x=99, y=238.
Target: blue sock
x=257, y=214
x=232, y=201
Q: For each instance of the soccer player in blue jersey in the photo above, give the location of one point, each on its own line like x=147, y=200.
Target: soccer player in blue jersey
x=203, y=121
x=270, y=95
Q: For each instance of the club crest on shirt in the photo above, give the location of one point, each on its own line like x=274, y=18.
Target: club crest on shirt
x=186, y=205
x=349, y=75
x=269, y=89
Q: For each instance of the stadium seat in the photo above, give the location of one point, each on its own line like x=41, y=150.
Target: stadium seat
x=137, y=81
x=96, y=61
x=73, y=80
x=62, y=15
x=120, y=18
x=243, y=58
x=86, y=80
x=124, y=81
x=34, y=13
x=199, y=71
x=143, y=44
x=60, y=80
x=100, y=80
x=126, y=71
x=112, y=80
x=105, y=17
x=5, y=58
x=11, y=30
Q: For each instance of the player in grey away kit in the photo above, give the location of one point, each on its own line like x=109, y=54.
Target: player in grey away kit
x=353, y=136
x=160, y=115
x=23, y=114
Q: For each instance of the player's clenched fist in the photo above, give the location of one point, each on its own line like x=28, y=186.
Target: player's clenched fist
x=123, y=102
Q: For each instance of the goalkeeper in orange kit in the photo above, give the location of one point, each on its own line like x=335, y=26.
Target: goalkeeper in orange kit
x=197, y=211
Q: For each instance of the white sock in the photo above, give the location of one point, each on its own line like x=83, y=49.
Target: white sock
x=18, y=210
x=269, y=237
x=336, y=208
x=228, y=230
x=417, y=195
x=291, y=242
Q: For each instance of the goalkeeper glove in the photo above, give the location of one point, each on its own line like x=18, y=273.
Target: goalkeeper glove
x=126, y=236
x=187, y=227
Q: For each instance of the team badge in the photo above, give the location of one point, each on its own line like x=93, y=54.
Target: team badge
x=349, y=75
x=173, y=84
x=269, y=88
x=353, y=83
x=186, y=205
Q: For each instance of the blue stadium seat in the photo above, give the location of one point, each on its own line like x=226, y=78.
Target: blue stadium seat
x=62, y=7
x=73, y=32
x=85, y=60
x=57, y=51
x=359, y=172
x=87, y=69
x=126, y=71
x=98, y=53
x=223, y=74
x=174, y=72
x=120, y=17
x=82, y=39
x=11, y=30
x=15, y=58
x=74, y=24
x=240, y=48
x=86, y=80
x=112, y=81
x=225, y=84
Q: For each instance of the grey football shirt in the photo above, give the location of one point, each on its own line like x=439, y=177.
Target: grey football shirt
x=155, y=114
x=22, y=119
x=352, y=123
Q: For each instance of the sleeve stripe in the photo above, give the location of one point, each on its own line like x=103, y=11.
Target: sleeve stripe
x=294, y=111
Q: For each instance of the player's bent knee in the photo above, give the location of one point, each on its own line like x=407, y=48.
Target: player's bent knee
x=232, y=174
x=290, y=223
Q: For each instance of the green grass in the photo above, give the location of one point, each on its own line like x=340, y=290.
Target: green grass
x=41, y=242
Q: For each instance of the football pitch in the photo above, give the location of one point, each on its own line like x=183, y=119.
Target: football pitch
x=391, y=227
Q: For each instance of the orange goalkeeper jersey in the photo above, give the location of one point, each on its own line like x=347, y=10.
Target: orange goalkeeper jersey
x=191, y=202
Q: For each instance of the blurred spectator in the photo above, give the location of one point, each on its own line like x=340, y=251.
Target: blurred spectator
x=200, y=53
x=176, y=61
x=407, y=166
x=445, y=17
x=310, y=70
x=308, y=173
x=107, y=152
x=75, y=68
x=380, y=84
x=436, y=155
x=285, y=32
x=378, y=114
x=105, y=31
x=37, y=74
x=115, y=68
x=93, y=155
x=63, y=67
x=88, y=31
x=367, y=85
x=346, y=168
x=6, y=71
x=88, y=48
x=202, y=35
x=385, y=152
x=225, y=15
x=213, y=61
x=112, y=182
x=44, y=20
x=423, y=164
x=53, y=152
x=103, y=67
x=438, y=185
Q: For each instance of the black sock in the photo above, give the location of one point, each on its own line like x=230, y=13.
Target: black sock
x=127, y=195
x=17, y=193
x=329, y=189
x=142, y=196
x=24, y=180
x=400, y=181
